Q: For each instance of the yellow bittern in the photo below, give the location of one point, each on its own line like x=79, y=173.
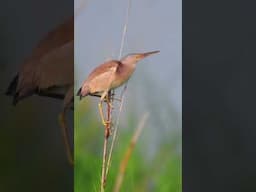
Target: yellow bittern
x=108, y=76
x=49, y=71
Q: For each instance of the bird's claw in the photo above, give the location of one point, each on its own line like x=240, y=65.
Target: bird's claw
x=111, y=105
x=106, y=123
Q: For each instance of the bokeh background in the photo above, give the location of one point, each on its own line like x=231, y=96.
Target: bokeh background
x=155, y=88
x=32, y=153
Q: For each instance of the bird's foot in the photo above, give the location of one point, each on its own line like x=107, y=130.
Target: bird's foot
x=108, y=130
x=111, y=105
x=107, y=123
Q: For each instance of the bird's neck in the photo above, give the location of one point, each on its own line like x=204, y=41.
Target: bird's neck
x=126, y=69
x=128, y=65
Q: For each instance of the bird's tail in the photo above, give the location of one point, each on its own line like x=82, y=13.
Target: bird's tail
x=11, y=90
x=12, y=87
x=18, y=94
x=79, y=93
x=82, y=93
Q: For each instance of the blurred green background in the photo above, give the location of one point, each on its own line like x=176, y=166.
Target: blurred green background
x=155, y=164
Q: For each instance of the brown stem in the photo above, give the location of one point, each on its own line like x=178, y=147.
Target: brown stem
x=126, y=158
x=115, y=128
x=106, y=136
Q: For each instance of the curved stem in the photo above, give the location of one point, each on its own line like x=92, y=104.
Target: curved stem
x=65, y=134
x=106, y=137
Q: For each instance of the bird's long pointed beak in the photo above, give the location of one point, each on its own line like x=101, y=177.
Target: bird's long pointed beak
x=149, y=53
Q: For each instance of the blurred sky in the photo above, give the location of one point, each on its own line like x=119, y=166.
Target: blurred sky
x=153, y=25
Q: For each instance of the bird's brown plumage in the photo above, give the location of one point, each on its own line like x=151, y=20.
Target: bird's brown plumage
x=93, y=84
x=49, y=71
x=111, y=75
x=50, y=67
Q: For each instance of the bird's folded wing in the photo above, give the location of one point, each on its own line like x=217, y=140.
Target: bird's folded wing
x=57, y=67
x=101, y=77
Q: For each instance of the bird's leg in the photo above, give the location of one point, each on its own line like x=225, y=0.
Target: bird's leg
x=101, y=113
x=65, y=134
x=109, y=99
x=114, y=98
x=104, y=94
x=105, y=100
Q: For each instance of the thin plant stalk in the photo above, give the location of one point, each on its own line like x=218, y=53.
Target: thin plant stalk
x=106, y=165
x=105, y=145
x=125, y=29
x=128, y=153
x=124, y=89
x=115, y=130
x=103, y=178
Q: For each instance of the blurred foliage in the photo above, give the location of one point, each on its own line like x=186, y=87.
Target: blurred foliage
x=32, y=152
x=160, y=173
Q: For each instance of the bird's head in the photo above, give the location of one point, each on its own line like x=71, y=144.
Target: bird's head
x=136, y=57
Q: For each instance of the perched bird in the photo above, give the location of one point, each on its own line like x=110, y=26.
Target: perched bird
x=49, y=71
x=110, y=75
